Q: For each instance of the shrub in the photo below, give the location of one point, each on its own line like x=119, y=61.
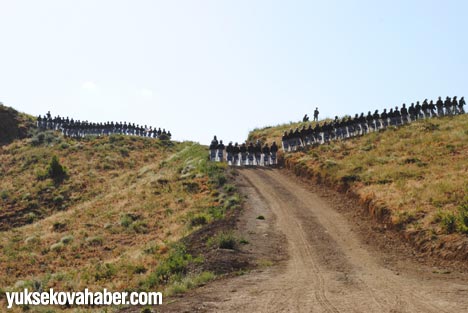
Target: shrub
x=128, y=218
x=139, y=227
x=229, y=188
x=55, y=170
x=94, y=241
x=199, y=219
x=67, y=239
x=224, y=240
x=104, y=271
x=57, y=247
x=30, y=217
x=4, y=194
x=175, y=264
x=463, y=217
x=231, y=202
x=32, y=240
x=59, y=226
x=448, y=222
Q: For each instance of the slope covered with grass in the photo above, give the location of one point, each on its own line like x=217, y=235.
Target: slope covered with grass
x=111, y=220
x=14, y=125
x=413, y=178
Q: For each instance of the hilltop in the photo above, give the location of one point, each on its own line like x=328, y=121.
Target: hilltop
x=410, y=179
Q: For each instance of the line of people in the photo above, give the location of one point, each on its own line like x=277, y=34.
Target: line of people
x=348, y=127
x=79, y=129
x=244, y=154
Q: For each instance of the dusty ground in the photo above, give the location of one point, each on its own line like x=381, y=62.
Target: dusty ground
x=323, y=260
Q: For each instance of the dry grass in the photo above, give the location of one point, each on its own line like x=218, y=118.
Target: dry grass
x=111, y=222
x=411, y=172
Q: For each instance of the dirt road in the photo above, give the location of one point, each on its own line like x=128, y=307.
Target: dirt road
x=328, y=268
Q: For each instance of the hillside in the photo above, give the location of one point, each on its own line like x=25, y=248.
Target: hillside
x=113, y=220
x=14, y=125
x=412, y=179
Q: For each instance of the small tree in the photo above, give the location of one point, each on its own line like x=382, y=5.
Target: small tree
x=55, y=170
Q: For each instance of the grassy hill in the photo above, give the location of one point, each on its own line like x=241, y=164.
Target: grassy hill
x=112, y=220
x=14, y=125
x=413, y=179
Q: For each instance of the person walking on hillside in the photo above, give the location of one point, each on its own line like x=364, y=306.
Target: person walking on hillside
x=316, y=114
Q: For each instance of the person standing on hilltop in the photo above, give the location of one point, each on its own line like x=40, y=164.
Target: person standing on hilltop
x=316, y=114
x=235, y=152
x=229, y=149
x=243, y=153
x=220, y=149
x=213, y=148
x=461, y=104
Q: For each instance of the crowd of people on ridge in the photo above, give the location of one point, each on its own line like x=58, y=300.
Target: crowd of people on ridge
x=348, y=127
x=244, y=154
x=78, y=129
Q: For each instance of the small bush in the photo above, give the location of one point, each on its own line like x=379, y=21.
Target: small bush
x=229, y=188
x=4, y=194
x=94, y=241
x=224, y=240
x=199, y=219
x=32, y=240
x=30, y=217
x=67, y=239
x=448, y=222
x=191, y=187
x=55, y=170
x=139, y=269
x=104, y=271
x=128, y=218
x=231, y=202
x=58, y=199
x=139, y=227
x=59, y=226
x=175, y=264
x=57, y=247
x=463, y=217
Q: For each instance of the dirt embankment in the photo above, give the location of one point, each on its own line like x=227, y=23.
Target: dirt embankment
x=333, y=263
x=445, y=250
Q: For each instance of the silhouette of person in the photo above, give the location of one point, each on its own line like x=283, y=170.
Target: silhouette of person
x=316, y=114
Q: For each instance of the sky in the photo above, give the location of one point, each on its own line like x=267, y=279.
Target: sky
x=224, y=67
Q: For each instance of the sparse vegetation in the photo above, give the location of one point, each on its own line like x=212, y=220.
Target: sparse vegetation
x=412, y=178
x=224, y=240
x=112, y=220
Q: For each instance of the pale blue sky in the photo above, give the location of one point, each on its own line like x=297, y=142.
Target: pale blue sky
x=201, y=68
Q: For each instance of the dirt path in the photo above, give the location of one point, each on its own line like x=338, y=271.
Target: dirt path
x=328, y=268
